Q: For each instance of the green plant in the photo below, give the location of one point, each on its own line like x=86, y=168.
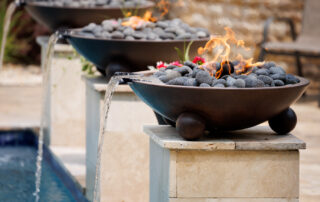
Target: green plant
x=87, y=66
x=184, y=54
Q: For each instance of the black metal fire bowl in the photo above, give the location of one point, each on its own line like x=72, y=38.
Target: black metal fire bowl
x=56, y=17
x=115, y=55
x=195, y=109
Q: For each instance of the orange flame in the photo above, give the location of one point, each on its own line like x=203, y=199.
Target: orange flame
x=137, y=21
x=163, y=6
x=222, y=46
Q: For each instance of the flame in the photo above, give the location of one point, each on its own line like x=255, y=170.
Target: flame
x=137, y=21
x=163, y=6
x=222, y=46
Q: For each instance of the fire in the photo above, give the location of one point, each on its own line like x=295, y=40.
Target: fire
x=222, y=46
x=163, y=6
x=137, y=21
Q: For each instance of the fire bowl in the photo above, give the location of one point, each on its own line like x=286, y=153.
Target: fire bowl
x=118, y=55
x=197, y=109
x=57, y=17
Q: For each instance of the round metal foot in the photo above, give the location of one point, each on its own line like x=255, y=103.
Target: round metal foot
x=284, y=122
x=190, y=126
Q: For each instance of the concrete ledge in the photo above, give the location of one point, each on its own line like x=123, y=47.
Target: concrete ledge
x=255, y=138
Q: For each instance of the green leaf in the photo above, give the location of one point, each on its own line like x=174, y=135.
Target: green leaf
x=180, y=53
x=186, y=53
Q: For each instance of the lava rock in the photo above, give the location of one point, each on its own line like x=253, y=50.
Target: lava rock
x=278, y=83
x=268, y=65
x=159, y=73
x=251, y=82
x=204, y=85
x=204, y=77
x=190, y=82
x=240, y=83
x=184, y=36
x=172, y=67
x=128, y=31
x=195, y=72
x=139, y=35
x=167, y=36
x=117, y=35
x=152, y=36
x=219, y=81
x=277, y=70
x=162, y=24
x=278, y=76
x=89, y=28
x=183, y=70
x=107, y=26
x=129, y=38
x=266, y=79
x=178, y=81
x=290, y=79
x=190, y=64
x=169, y=76
x=262, y=72
x=219, y=85
x=230, y=81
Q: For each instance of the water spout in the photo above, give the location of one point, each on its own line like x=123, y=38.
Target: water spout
x=43, y=122
x=112, y=85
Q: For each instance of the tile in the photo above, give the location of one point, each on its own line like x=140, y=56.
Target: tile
x=238, y=174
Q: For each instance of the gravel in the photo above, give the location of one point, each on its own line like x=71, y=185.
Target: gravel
x=267, y=75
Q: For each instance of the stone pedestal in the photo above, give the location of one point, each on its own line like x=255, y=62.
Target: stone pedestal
x=125, y=158
x=251, y=165
x=66, y=107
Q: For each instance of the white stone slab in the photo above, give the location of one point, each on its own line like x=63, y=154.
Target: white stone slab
x=255, y=138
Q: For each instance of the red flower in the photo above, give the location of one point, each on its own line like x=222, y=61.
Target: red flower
x=198, y=60
x=161, y=64
x=176, y=63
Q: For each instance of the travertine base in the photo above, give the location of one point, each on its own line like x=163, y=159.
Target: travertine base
x=125, y=158
x=66, y=107
x=250, y=165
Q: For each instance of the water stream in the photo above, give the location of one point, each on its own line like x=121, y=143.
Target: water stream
x=43, y=122
x=6, y=27
x=112, y=85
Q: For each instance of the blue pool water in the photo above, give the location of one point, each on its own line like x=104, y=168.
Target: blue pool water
x=17, y=172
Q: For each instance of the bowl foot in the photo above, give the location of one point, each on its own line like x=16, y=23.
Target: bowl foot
x=190, y=126
x=284, y=122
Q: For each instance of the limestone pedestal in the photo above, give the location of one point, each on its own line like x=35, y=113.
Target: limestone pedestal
x=125, y=158
x=251, y=165
x=66, y=103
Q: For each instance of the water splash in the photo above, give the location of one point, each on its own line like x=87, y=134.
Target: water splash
x=45, y=87
x=6, y=27
x=112, y=85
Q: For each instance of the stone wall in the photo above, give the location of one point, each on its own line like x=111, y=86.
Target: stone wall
x=246, y=18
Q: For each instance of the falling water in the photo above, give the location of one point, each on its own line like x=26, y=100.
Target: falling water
x=6, y=26
x=113, y=83
x=45, y=87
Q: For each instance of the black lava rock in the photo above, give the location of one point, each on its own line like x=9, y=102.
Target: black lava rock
x=190, y=64
x=190, y=82
x=290, y=79
x=204, y=85
x=266, y=79
x=204, y=77
x=183, y=70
